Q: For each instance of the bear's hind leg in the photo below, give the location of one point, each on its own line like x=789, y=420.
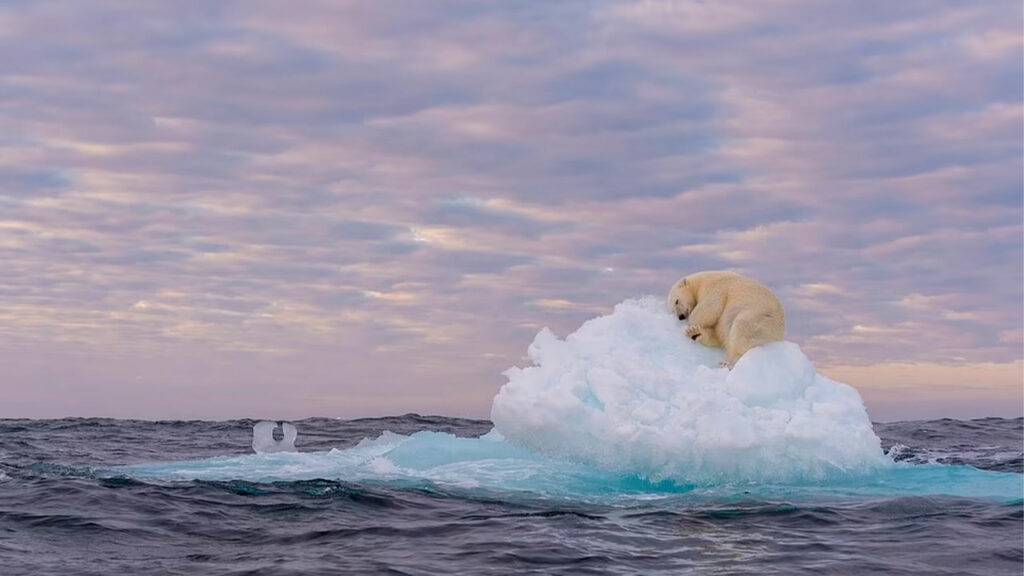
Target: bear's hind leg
x=742, y=337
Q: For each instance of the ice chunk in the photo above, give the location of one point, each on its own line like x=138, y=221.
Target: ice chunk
x=629, y=392
x=263, y=441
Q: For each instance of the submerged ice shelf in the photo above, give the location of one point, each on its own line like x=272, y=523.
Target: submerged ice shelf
x=628, y=407
x=491, y=465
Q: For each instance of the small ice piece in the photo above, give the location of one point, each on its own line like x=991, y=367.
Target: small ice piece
x=263, y=441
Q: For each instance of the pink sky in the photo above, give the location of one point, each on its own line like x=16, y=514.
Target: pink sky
x=352, y=209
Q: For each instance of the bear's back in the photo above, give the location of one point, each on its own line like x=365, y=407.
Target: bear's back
x=747, y=293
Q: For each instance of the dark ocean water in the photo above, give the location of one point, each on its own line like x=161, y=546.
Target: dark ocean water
x=63, y=512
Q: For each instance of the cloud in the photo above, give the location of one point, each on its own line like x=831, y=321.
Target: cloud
x=388, y=199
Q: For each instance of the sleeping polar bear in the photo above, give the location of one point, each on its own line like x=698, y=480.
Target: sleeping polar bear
x=727, y=310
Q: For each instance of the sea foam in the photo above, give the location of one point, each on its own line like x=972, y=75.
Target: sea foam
x=629, y=392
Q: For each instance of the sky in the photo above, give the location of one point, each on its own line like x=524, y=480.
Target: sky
x=266, y=209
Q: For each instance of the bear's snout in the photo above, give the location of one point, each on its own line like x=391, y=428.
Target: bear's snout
x=682, y=316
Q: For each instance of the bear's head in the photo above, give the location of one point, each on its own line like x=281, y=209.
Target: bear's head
x=681, y=299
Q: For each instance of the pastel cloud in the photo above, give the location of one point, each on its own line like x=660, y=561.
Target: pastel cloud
x=351, y=208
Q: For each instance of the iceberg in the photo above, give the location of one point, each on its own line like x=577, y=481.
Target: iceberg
x=623, y=410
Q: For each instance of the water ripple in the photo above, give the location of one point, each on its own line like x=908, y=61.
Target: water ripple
x=58, y=517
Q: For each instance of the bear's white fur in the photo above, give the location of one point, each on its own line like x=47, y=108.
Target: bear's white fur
x=727, y=310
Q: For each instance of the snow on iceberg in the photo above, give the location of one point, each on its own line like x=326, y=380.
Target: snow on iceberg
x=628, y=392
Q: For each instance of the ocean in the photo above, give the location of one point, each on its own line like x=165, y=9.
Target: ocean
x=102, y=496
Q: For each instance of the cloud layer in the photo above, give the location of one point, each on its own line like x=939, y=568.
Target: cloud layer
x=350, y=208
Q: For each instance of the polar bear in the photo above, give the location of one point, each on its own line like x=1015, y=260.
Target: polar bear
x=727, y=310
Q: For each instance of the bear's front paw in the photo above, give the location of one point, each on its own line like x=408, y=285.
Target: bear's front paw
x=693, y=332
